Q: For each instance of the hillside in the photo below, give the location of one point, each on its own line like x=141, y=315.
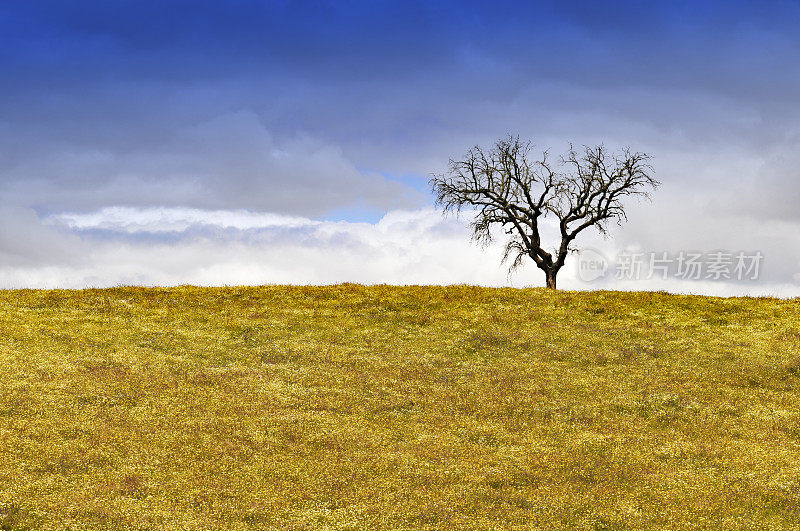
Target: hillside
x=397, y=407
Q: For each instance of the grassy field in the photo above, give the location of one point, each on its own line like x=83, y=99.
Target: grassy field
x=350, y=407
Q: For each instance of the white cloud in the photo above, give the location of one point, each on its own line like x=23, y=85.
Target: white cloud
x=154, y=220
x=172, y=246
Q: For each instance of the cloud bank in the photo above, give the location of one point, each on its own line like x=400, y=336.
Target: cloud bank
x=172, y=246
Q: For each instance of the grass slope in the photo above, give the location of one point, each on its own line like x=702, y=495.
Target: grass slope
x=397, y=407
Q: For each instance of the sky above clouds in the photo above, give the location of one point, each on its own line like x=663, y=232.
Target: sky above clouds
x=252, y=142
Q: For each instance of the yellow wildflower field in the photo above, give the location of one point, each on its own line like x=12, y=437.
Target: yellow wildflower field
x=353, y=407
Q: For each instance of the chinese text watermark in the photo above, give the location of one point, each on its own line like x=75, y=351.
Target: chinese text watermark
x=683, y=265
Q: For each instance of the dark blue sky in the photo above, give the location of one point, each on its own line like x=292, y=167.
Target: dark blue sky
x=342, y=110
x=167, y=95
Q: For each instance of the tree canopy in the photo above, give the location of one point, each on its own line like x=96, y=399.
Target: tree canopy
x=507, y=187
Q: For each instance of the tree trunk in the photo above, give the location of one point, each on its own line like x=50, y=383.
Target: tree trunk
x=551, y=278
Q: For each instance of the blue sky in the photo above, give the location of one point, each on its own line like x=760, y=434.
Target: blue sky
x=338, y=112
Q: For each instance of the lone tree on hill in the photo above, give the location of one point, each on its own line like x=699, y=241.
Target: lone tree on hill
x=507, y=188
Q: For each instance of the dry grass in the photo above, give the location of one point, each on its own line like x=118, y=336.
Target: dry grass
x=351, y=407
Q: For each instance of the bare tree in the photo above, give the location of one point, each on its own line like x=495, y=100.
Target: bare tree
x=506, y=188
